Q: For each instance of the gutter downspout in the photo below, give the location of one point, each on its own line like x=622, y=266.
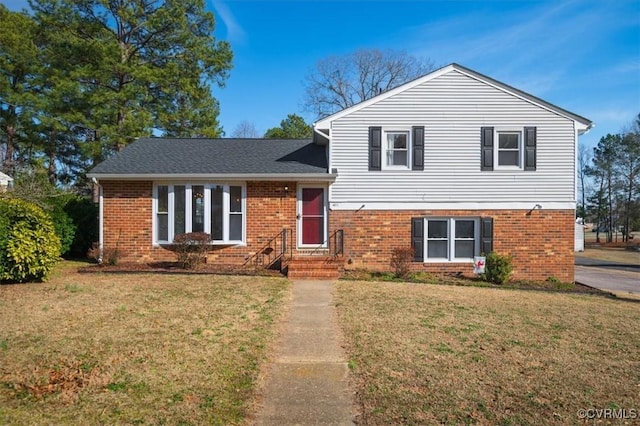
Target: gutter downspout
x=318, y=131
x=329, y=169
x=100, y=219
x=328, y=138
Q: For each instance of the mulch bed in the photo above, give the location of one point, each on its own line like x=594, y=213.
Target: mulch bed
x=474, y=282
x=175, y=268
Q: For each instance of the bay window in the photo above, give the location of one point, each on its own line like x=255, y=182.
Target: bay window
x=217, y=209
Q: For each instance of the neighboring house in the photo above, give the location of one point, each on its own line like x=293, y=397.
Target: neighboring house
x=454, y=164
x=5, y=181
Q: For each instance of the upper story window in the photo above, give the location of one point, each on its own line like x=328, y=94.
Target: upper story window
x=397, y=149
x=509, y=152
x=512, y=150
x=217, y=209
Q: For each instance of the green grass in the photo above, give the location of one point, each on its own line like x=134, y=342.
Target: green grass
x=424, y=354
x=134, y=349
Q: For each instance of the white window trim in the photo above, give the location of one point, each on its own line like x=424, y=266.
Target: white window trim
x=451, y=239
x=385, y=151
x=207, y=210
x=496, y=149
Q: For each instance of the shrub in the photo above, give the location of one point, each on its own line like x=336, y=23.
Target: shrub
x=401, y=258
x=109, y=256
x=76, y=221
x=94, y=253
x=191, y=248
x=84, y=214
x=29, y=246
x=498, y=268
x=74, y=217
x=64, y=227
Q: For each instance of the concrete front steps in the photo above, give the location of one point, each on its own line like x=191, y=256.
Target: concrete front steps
x=315, y=267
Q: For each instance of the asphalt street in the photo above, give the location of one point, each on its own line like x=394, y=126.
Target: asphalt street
x=608, y=276
x=606, y=264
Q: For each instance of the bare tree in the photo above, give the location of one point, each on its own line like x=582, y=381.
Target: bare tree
x=627, y=169
x=584, y=159
x=338, y=82
x=245, y=129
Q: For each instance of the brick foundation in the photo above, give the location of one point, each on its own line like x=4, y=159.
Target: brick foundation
x=541, y=243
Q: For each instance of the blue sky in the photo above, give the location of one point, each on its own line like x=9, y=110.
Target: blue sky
x=581, y=55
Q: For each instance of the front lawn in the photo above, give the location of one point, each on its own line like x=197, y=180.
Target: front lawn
x=425, y=354
x=134, y=348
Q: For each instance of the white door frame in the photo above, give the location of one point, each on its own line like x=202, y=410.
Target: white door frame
x=325, y=198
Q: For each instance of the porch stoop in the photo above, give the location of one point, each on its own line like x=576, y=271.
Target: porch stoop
x=315, y=267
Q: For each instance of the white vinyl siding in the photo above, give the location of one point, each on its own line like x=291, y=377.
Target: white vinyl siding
x=453, y=108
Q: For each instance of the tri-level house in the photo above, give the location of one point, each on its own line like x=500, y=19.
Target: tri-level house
x=454, y=164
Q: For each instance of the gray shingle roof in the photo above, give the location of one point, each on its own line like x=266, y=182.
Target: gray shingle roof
x=173, y=156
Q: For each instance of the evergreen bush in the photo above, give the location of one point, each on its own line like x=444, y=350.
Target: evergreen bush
x=29, y=246
x=498, y=268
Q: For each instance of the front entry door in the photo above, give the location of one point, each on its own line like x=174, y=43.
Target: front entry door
x=312, y=215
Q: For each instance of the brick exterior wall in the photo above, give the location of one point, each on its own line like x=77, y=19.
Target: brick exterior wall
x=541, y=243
x=127, y=208
x=128, y=220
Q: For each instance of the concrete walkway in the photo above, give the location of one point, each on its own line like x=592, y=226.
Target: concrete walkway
x=308, y=382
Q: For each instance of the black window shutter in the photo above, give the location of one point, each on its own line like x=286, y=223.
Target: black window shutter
x=417, y=238
x=529, y=148
x=486, y=235
x=486, y=160
x=375, y=148
x=418, y=148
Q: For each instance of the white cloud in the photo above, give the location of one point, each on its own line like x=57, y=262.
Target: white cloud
x=546, y=41
x=616, y=115
x=631, y=66
x=235, y=32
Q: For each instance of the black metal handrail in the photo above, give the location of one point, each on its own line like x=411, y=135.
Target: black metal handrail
x=278, y=248
x=335, y=244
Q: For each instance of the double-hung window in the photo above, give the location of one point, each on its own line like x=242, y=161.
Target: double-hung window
x=509, y=152
x=217, y=209
x=508, y=149
x=397, y=149
x=451, y=239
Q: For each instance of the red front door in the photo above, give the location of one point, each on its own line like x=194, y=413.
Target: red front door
x=312, y=218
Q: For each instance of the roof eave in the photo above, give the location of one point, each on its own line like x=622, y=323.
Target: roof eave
x=281, y=177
